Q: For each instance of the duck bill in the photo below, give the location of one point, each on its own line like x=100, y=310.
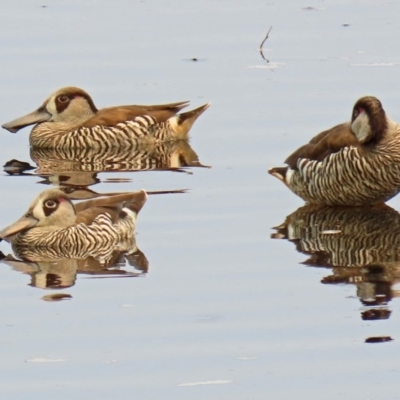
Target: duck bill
x=22, y=224
x=39, y=115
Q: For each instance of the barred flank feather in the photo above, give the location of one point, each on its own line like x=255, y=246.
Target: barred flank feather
x=128, y=134
x=104, y=256
x=79, y=241
x=75, y=241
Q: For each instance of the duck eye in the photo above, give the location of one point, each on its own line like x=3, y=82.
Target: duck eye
x=50, y=204
x=63, y=98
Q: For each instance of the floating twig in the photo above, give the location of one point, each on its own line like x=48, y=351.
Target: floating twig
x=150, y=192
x=262, y=43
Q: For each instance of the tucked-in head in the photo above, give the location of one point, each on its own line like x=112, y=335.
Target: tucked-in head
x=52, y=209
x=70, y=105
x=368, y=120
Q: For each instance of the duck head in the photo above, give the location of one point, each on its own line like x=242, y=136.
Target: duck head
x=368, y=120
x=69, y=105
x=52, y=209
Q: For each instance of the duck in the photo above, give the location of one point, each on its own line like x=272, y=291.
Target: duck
x=355, y=163
x=68, y=118
x=54, y=223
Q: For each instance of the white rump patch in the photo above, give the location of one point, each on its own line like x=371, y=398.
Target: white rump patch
x=173, y=122
x=131, y=213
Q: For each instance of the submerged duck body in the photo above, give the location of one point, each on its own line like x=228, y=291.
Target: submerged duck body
x=352, y=164
x=69, y=119
x=52, y=222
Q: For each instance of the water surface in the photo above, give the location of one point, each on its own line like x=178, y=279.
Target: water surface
x=224, y=310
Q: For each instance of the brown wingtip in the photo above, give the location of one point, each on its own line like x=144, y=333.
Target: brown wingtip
x=279, y=172
x=178, y=106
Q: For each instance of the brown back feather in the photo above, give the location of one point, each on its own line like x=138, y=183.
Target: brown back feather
x=113, y=115
x=87, y=211
x=324, y=144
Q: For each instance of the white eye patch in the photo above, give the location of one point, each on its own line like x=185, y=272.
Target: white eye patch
x=361, y=127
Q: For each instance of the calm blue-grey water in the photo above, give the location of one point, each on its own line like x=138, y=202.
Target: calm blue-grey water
x=224, y=312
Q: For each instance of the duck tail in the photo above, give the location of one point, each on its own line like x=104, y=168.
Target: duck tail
x=279, y=172
x=182, y=123
x=136, y=201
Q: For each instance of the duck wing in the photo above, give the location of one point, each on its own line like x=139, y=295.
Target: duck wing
x=114, y=115
x=324, y=144
x=87, y=211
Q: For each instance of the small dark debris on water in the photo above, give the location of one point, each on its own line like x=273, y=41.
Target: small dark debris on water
x=345, y=25
x=194, y=59
x=310, y=9
x=378, y=339
x=44, y=6
x=375, y=314
x=15, y=167
x=57, y=297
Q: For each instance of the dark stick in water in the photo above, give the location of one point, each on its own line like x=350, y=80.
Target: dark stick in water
x=262, y=43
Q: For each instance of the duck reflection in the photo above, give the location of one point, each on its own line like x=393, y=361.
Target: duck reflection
x=174, y=155
x=79, y=167
x=48, y=270
x=360, y=245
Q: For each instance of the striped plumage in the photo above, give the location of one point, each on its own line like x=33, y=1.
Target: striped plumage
x=80, y=240
x=351, y=175
x=69, y=119
x=93, y=227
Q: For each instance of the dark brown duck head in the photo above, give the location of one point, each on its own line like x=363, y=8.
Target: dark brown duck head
x=368, y=120
x=69, y=105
